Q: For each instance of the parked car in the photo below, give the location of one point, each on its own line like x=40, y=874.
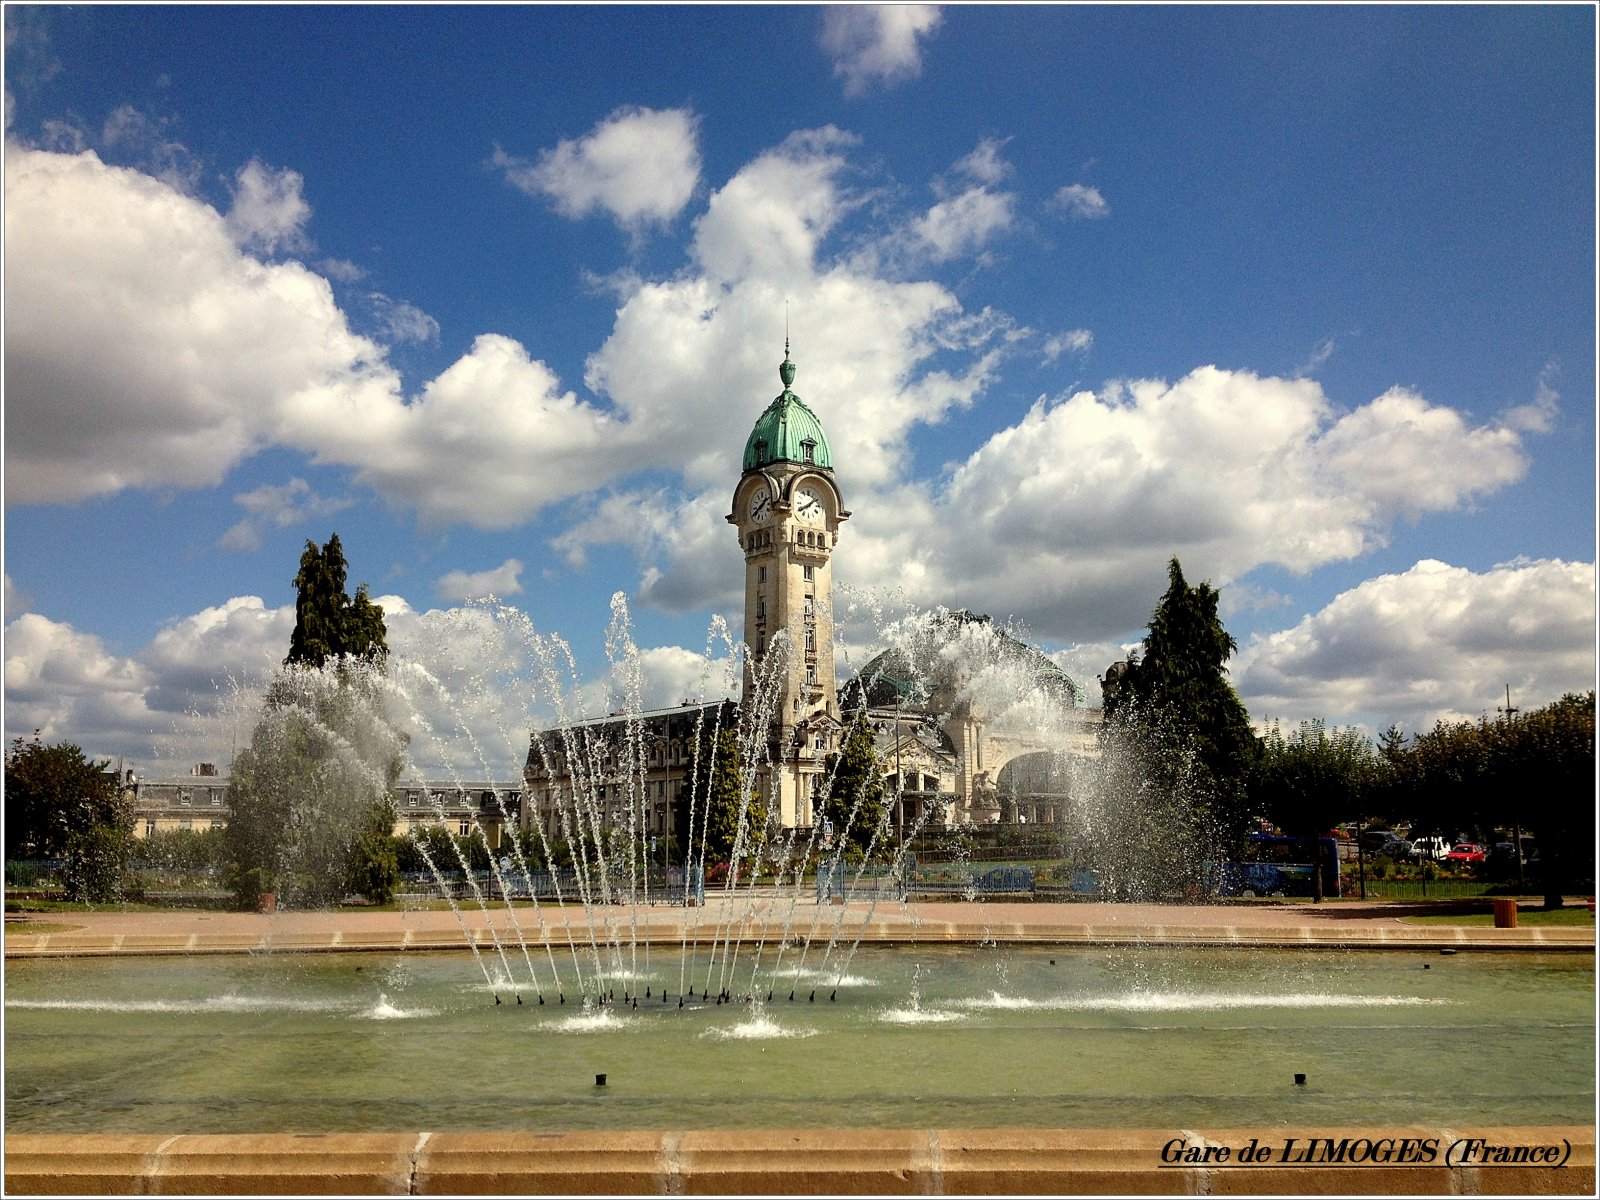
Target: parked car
x=1467, y=852
x=1396, y=848
x=1436, y=848
x=1373, y=840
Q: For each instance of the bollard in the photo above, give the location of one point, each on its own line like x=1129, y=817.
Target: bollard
x=1505, y=912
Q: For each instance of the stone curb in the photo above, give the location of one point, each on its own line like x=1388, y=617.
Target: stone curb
x=796, y=1162
x=19, y=944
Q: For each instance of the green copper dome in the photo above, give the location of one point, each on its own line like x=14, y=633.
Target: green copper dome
x=787, y=431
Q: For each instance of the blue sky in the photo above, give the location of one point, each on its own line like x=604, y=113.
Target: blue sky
x=1302, y=295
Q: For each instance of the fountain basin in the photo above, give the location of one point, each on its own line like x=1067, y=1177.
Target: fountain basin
x=950, y=1037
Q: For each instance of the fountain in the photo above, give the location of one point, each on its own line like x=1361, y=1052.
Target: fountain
x=601, y=1006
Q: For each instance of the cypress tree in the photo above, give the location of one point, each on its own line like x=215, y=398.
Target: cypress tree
x=1181, y=683
x=855, y=802
x=327, y=622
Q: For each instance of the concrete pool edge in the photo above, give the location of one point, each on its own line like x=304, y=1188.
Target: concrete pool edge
x=19, y=943
x=1014, y=1161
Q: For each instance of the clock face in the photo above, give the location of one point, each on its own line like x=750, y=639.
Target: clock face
x=808, y=506
x=760, y=506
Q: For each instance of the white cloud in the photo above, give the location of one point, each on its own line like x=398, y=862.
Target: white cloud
x=965, y=222
x=269, y=213
x=1319, y=355
x=342, y=269
x=640, y=165
x=504, y=580
x=1068, y=518
x=876, y=43
x=769, y=219
x=200, y=355
x=1407, y=456
x=488, y=443
x=16, y=601
x=403, y=321
x=138, y=136
x=984, y=164
x=65, y=685
x=1539, y=415
x=1079, y=200
x=277, y=507
x=1069, y=341
x=1434, y=642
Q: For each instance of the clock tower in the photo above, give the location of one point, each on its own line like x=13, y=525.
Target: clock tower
x=788, y=511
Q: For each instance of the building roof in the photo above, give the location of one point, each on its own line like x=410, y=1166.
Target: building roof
x=787, y=431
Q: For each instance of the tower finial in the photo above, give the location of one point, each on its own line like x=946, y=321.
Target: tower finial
x=786, y=368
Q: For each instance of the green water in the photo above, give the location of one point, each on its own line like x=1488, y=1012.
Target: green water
x=977, y=1036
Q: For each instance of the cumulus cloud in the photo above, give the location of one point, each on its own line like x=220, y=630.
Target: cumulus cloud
x=1434, y=642
x=641, y=165
x=202, y=355
x=504, y=580
x=1079, y=200
x=488, y=443
x=1067, y=518
x=877, y=43
x=110, y=257
x=277, y=507
x=68, y=687
x=269, y=213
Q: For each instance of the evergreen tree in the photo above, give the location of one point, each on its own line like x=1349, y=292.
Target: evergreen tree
x=728, y=810
x=855, y=801
x=311, y=815
x=309, y=797
x=328, y=624
x=1180, y=683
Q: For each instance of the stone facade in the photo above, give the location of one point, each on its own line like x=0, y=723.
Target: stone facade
x=199, y=801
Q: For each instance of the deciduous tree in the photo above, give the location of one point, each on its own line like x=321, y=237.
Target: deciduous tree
x=60, y=804
x=1307, y=780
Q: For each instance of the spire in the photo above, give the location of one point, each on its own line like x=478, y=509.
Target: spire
x=786, y=368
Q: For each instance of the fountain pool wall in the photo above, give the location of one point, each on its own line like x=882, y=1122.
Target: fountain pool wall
x=983, y=1068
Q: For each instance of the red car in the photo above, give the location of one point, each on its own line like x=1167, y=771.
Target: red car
x=1467, y=852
